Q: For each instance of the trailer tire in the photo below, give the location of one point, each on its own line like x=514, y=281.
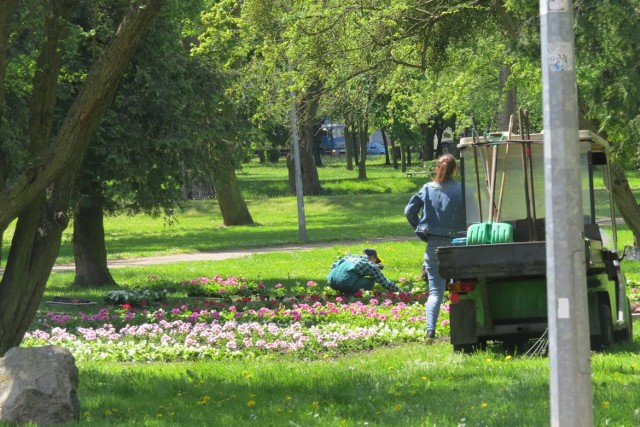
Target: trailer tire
x=469, y=348
x=626, y=334
x=605, y=338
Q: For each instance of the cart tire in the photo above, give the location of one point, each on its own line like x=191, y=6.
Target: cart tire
x=469, y=348
x=605, y=338
x=515, y=345
x=626, y=334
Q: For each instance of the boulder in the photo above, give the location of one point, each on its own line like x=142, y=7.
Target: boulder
x=39, y=385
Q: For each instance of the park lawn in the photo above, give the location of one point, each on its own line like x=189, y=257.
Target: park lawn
x=400, y=382
x=406, y=385
x=403, y=383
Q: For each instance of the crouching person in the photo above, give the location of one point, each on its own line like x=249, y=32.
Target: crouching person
x=352, y=273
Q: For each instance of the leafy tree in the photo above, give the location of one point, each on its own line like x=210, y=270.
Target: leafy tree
x=116, y=174
x=37, y=193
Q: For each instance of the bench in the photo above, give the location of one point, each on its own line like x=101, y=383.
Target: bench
x=411, y=174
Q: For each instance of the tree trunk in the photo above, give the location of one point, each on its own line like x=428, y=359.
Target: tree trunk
x=6, y=10
x=42, y=214
x=387, y=160
x=429, y=133
x=625, y=201
x=350, y=146
x=306, y=111
x=84, y=116
x=33, y=252
x=362, y=138
x=509, y=96
x=232, y=205
x=89, y=248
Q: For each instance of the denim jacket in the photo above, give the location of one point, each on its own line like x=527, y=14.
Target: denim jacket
x=441, y=206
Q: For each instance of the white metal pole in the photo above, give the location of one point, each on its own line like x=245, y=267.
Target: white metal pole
x=569, y=357
x=302, y=224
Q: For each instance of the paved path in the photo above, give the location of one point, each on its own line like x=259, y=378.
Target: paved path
x=229, y=254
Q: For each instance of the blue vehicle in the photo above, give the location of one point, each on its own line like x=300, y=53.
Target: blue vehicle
x=332, y=140
x=375, y=148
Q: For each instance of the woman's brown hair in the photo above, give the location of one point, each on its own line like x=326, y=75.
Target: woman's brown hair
x=445, y=167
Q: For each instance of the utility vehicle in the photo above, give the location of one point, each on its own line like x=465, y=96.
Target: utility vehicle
x=497, y=273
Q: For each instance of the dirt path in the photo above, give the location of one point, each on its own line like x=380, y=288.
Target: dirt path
x=229, y=254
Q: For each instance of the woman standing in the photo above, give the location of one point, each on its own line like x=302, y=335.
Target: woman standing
x=442, y=219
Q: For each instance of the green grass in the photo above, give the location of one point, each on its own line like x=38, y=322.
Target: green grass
x=408, y=385
x=377, y=211
x=405, y=385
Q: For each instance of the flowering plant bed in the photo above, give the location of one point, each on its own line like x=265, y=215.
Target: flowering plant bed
x=279, y=320
x=217, y=286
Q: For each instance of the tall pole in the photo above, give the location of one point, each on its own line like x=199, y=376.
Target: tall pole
x=302, y=224
x=570, y=367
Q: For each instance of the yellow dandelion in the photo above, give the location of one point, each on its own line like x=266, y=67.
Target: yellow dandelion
x=488, y=360
x=315, y=404
x=508, y=357
x=204, y=400
x=423, y=378
x=251, y=403
x=398, y=407
x=484, y=405
x=605, y=404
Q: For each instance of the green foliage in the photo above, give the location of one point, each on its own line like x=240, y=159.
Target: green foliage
x=219, y=287
x=135, y=297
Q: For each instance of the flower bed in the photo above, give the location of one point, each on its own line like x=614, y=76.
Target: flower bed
x=237, y=323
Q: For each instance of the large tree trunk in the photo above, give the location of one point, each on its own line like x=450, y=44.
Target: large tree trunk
x=232, y=205
x=42, y=215
x=89, y=248
x=429, y=132
x=84, y=116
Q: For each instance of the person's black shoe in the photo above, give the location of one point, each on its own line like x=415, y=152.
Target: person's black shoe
x=430, y=338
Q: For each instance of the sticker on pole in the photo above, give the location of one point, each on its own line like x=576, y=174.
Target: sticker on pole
x=563, y=308
x=560, y=56
x=555, y=6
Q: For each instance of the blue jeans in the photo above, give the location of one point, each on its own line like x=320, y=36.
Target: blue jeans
x=436, y=283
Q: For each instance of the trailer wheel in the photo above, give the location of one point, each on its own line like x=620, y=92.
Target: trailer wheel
x=626, y=334
x=469, y=348
x=605, y=338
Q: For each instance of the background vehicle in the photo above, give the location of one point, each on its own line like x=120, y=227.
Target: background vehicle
x=375, y=148
x=332, y=140
x=498, y=272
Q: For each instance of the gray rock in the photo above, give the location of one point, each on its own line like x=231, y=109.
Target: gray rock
x=39, y=385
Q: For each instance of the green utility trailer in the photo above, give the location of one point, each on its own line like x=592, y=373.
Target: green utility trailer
x=497, y=274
